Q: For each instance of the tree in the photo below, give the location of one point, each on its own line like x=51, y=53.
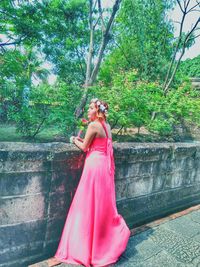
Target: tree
x=133, y=101
x=17, y=71
x=142, y=38
x=93, y=69
x=66, y=34
x=20, y=23
x=184, y=40
x=60, y=30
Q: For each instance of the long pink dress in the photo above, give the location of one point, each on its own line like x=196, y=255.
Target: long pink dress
x=94, y=233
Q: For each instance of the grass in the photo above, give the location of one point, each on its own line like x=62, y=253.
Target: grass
x=8, y=134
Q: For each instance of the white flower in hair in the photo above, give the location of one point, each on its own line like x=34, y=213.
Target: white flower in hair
x=102, y=108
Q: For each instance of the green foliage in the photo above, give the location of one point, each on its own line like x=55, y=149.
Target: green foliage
x=57, y=28
x=130, y=78
x=190, y=67
x=130, y=100
x=16, y=74
x=135, y=103
x=48, y=106
x=67, y=37
x=143, y=40
x=21, y=21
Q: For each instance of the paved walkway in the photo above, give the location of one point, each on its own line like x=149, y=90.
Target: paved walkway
x=173, y=241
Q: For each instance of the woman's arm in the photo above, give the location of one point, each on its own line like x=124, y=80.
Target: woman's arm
x=90, y=134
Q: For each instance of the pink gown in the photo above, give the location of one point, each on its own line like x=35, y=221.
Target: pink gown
x=94, y=233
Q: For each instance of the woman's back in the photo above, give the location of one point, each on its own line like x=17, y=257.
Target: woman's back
x=103, y=129
x=102, y=139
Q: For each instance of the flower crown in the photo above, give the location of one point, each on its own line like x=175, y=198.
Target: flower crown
x=100, y=105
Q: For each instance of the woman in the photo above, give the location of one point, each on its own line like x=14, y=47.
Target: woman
x=94, y=233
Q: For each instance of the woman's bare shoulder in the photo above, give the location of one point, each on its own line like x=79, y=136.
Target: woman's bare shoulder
x=94, y=124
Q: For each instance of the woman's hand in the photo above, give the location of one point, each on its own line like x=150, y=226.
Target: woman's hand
x=71, y=139
x=79, y=139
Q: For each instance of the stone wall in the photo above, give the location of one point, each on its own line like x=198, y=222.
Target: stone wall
x=38, y=182
x=195, y=82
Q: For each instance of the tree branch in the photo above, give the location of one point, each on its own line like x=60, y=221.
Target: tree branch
x=195, y=10
x=187, y=38
x=192, y=38
x=7, y=14
x=94, y=6
x=96, y=23
x=175, y=51
x=178, y=1
x=38, y=128
x=12, y=43
x=186, y=5
x=79, y=57
x=178, y=22
x=103, y=27
x=192, y=8
x=7, y=44
x=194, y=27
x=90, y=53
x=79, y=109
x=104, y=42
x=122, y=50
x=185, y=12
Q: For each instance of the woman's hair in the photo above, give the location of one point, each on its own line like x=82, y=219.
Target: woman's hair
x=102, y=108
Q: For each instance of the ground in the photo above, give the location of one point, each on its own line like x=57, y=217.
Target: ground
x=173, y=241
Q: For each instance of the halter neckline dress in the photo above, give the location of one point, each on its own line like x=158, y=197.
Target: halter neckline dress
x=94, y=233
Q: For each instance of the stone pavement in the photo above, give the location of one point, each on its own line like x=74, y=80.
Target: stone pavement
x=173, y=241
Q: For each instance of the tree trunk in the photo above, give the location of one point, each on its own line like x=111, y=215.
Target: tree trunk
x=92, y=75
